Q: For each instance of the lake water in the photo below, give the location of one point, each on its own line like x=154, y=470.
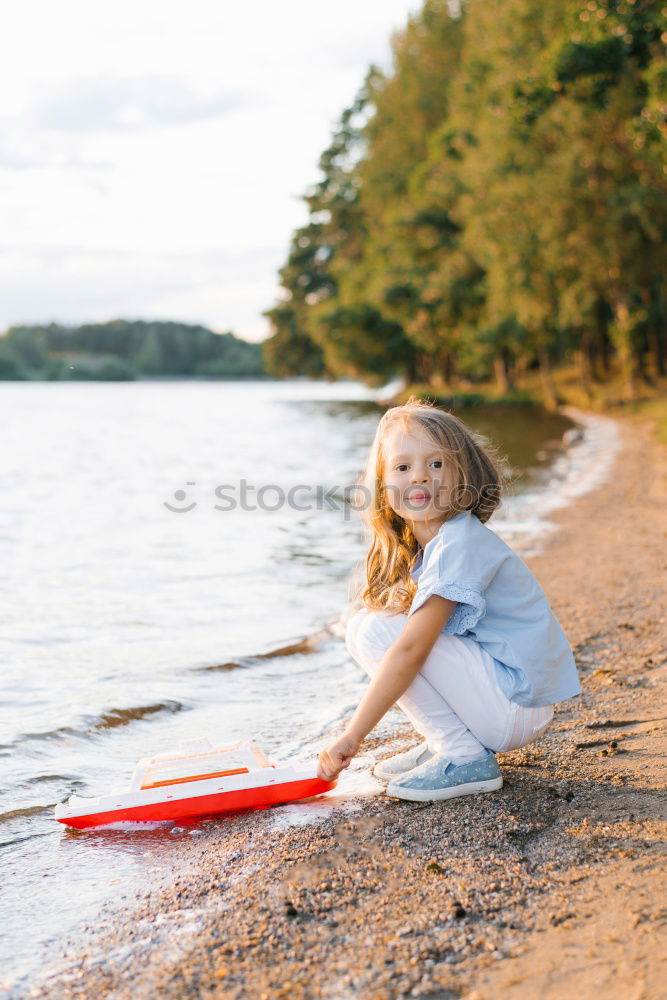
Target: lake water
x=138, y=605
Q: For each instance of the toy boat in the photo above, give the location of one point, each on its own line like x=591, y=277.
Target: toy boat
x=199, y=781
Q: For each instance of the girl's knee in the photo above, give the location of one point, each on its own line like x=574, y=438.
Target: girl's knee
x=369, y=634
x=379, y=631
x=351, y=631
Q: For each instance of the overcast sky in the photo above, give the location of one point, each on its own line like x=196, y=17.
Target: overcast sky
x=153, y=152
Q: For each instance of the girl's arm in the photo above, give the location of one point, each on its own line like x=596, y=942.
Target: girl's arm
x=398, y=668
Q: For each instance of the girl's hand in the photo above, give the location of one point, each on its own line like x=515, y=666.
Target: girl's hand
x=337, y=756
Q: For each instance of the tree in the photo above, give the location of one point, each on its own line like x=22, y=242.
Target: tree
x=149, y=359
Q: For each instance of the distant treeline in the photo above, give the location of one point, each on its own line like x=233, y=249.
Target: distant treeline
x=122, y=350
x=496, y=202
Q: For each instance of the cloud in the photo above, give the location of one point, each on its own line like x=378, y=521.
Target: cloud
x=50, y=131
x=100, y=104
x=76, y=284
x=153, y=155
x=20, y=150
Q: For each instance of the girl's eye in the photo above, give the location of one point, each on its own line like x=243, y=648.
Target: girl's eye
x=437, y=461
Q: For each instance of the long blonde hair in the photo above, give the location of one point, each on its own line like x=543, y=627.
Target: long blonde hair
x=387, y=584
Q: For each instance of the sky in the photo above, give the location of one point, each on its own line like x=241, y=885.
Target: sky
x=153, y=153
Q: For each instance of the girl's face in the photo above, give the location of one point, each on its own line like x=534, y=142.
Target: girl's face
x=418, y=477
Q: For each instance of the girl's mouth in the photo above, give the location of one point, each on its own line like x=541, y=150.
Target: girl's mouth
x=419, y=497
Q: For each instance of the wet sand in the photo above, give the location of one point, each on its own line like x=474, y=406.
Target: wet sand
x=548, y=888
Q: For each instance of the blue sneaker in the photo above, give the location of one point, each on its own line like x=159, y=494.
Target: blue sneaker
x=439, y=779
x=390, y=768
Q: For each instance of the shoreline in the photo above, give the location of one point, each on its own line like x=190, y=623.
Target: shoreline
x=545, y=886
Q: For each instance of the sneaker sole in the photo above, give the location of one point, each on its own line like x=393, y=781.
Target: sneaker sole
x=438, y=794
x=381, y=777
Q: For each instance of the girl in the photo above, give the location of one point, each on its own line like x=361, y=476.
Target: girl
x=454, y=627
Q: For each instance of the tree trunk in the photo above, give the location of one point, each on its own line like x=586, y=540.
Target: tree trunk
x=425, y=366
x=657, y=329
x=446, y=368
x=520, y=367
x=549, y=394
x=661, y=331
x=642, y=351
x=584, y=368
x=601, y=335
x=501, y=374
x=655, y=349
x=410, y=370
x=640, y=366
x=623, y=337
x=588, y=347
x=584, y=360
x=509, y=368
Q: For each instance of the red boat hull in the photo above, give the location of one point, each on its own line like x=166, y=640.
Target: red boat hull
x=203, y=805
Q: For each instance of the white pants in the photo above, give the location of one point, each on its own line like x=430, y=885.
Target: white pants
x=454, y=702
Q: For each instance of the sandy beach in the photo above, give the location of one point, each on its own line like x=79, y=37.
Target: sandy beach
x=550, y=887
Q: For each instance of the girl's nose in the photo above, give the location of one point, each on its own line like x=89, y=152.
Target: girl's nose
x=418, y=477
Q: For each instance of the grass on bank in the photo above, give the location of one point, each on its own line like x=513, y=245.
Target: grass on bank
x=607, y=396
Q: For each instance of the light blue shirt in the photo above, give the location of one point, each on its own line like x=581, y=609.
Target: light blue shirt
x=501, y=605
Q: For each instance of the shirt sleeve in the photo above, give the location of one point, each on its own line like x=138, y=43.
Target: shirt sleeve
x=459, y=567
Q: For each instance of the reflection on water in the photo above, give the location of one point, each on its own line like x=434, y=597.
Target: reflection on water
x=528, y=436
x=128, y=627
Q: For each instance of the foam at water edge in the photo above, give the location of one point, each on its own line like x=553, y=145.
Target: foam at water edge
x=173, y=931
x=355, y=784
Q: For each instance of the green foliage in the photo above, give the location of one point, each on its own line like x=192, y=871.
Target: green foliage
x=149, y=358
x=495, y=204
x=361, y=339
x=123, y=350
x=96, y=368
x=11, y=368
x=290, y=351
x=28, y=346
